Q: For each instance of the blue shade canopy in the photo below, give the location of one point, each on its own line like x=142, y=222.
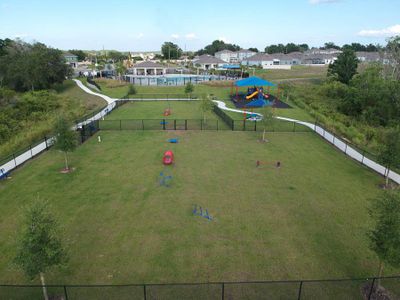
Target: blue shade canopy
x=253, y=81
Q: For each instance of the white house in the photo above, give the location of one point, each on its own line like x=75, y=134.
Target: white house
x=149, y=68
x=227, y=56
x=259, y=59
x=243, y=54
x=207, y=62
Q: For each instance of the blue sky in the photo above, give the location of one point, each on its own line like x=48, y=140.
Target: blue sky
x=145, y=25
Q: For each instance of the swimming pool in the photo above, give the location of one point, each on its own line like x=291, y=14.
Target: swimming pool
x=171, y=79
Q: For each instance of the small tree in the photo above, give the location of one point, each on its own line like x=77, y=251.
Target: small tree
x=267, y=120
x=389, y=151
x=205, y=105
x=66, y=138
x=189, y=88
x=40, y=247
x=131, y=90
x=385, y=236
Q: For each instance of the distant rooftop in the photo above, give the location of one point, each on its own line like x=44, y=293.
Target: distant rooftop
x=148, y=64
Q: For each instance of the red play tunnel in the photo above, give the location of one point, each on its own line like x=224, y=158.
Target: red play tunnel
x=168, y=157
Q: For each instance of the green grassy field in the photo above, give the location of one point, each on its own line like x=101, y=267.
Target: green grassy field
x=155, y=110
x=304, y=220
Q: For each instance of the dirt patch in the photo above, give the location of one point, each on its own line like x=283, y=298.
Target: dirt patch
x=378, y=293
x=67, y=171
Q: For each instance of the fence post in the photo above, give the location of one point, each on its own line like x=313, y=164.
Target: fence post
x=175, y=124
x=255, y=125
x=65, y=293
x=223, y=291
x=45, y=141
x=372, y=288
x=315, y=125
x=30, y=148
x=334, y=136
x=144, y=292
x=362, y=159
x=163, y=124
x=233, y=124
x=185, y=124
x=345, y=149
x=300, y=288
x=244, y=125
x=120, y=124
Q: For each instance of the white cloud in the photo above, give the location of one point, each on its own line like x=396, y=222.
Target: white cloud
x=190, y=36
x=140, y=35
x=322, y=1
x=224, y=39
x=175, y=36
x=385, y=32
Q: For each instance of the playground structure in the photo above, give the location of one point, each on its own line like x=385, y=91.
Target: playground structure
x=168, y=158
x=255, y=96
x=198, y=211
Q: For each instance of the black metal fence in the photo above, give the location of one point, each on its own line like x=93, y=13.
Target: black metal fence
x=162, y=96
x=360, y=288
x=198, y=124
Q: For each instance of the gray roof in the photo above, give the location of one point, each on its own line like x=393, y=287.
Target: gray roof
x=208, y=59
x=148, y=64
x=260, y=57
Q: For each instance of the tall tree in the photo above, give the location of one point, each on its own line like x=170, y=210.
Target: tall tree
x=384, y=238
x=216, y=46
x=345, y=67
x=170, y=50
x=389, y=151
x=79, y=53
x=121, y=70
x=29, y=67
x=393, y=51
x=66, y=138
x=253, y=49
x=332, y=45
x=39, y=247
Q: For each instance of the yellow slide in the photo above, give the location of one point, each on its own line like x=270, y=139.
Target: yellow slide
x=252, y=95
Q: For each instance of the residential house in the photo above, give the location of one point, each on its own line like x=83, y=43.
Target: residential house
x=227, y=56
x=71, y=59
x=208, y=62
x=243, y=54
x=148, y=68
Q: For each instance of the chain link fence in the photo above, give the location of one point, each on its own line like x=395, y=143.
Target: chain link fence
x=360, y=288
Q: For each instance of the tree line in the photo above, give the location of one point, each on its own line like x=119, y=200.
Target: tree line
x=25, y=66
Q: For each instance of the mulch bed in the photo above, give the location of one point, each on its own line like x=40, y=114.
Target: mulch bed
x=377, y=294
